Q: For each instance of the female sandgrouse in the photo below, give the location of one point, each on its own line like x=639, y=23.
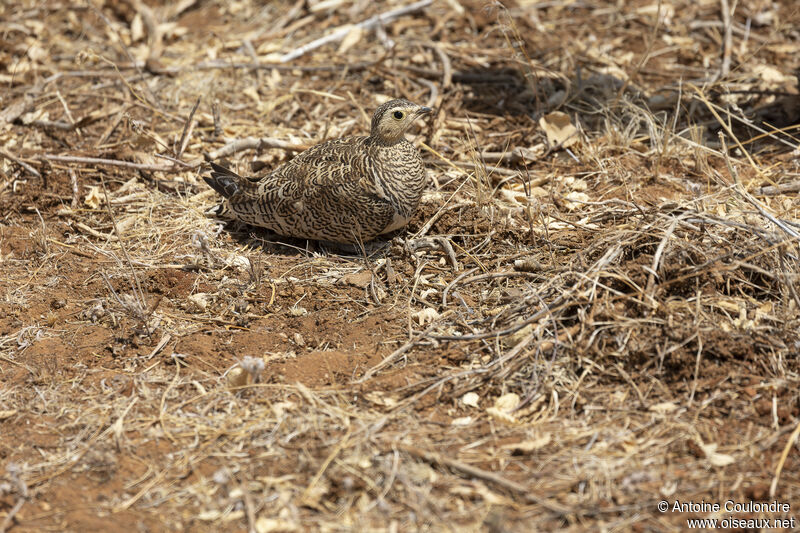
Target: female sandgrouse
x=346, y=190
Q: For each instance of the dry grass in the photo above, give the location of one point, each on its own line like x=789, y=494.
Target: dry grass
x=589, y=326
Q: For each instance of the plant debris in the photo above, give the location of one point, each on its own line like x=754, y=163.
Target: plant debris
x=595, y=307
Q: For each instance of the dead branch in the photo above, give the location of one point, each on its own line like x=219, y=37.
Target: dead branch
x=253, y=143
x=187, y=128
x=526, y=493
x=109, y=162
x=21, y=163
x=435, y=243
x=727, y=42
x=775, y=190
x=368, y=24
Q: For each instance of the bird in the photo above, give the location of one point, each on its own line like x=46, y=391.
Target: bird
x=344, y=191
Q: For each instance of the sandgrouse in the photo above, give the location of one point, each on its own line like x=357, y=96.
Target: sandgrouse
x=345, y=190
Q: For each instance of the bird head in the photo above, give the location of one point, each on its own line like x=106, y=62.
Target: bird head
x=392, y=119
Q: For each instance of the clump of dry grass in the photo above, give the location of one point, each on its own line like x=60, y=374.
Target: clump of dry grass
x=580, y=329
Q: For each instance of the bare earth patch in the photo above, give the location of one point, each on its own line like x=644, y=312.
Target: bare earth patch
x=595, y=309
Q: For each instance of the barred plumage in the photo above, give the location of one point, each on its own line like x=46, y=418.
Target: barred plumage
x=344, y=190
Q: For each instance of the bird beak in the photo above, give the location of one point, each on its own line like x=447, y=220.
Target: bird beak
x=424, y=111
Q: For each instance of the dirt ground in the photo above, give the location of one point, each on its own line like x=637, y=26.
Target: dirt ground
x=594, y=310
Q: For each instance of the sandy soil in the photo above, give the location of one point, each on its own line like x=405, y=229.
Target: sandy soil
x=620, y=326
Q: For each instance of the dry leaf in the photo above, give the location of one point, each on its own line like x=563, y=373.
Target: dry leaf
x=351, y=39
x=273, y=525
x=514, y=196
x=507, y=402
x=200, y=300
x=296, y=310
x=252, y=93
x=501, y=416
x=575, y=200
x=470, y=399
x=379, y=398
x=427, y=292
x=665, y=407
x=426, y=316
x=238, y=261
x=577, y=184
x=37, y=53
x=314, y=495
x=518, y=336
x=360, y=279
x=137, y=28
x=210, y=515
x=528, y=265
x=770, y=75
x=479, y=489
x=559, y=129
x=280, y=408
x=716, y=459
x=501, y=411
x=527, y=446
x=324, y=5
x=238, y=377
x=784, y=48
x=491, y=497
x=93, y=198
x=298, y=339
x=455, y=6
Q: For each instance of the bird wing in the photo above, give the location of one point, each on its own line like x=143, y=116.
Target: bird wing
x=329, y=191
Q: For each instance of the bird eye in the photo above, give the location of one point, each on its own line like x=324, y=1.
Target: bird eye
x=398, y=115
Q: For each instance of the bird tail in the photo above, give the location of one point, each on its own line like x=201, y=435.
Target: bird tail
x=222, y=210
x=224, y=181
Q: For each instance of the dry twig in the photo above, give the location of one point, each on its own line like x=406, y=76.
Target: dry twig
x=368, y=24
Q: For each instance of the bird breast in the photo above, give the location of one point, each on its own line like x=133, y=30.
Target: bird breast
x=399, y=177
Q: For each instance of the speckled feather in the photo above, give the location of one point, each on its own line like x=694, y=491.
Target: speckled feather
x=344, y=190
